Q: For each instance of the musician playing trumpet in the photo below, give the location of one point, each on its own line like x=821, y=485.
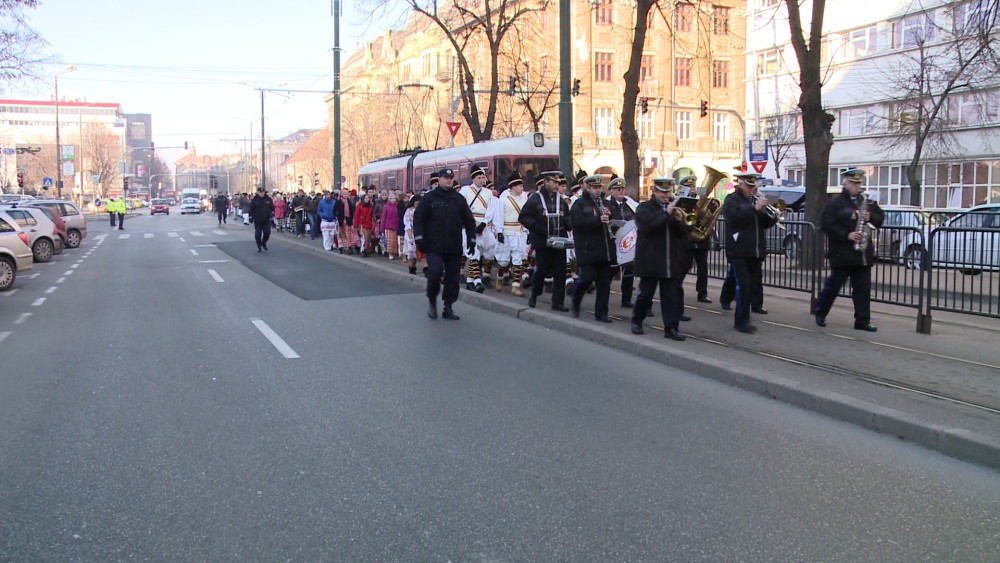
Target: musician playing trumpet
x=595, y=247
x=746, y=247
x=843, y=221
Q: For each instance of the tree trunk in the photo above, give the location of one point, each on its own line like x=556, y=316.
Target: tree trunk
x=913, y=179
x=630, y=138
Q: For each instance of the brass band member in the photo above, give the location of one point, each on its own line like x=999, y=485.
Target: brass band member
x=746, y=246
x=658, y=256
x=545, y=215
x=697, y=252
x=512, y=237
x=622, y=208
x=594, y=245
x=479, y=199
x=843, y=222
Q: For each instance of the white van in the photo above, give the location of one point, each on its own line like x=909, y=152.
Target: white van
x=190, y=201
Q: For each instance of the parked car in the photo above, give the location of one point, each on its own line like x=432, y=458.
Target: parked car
x=59, y=224
x=159, y=206
x=896, y=227
x=969, y=251
x=15, y=254
x=76, y=223
x=40, y=230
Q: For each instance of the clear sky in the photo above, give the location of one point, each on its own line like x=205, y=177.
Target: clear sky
x=181, y=61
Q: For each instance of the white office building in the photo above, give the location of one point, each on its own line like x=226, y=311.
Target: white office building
x=869, y=49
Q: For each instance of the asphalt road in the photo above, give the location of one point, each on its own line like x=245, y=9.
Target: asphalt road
x=145, y=415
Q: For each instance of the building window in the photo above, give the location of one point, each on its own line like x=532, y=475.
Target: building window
x=602, y=12
x=720, y=74
x=720, y=126
x=972, y=16
x=720, y=20
x=644, y=124
x=651, y=18
x=684, y=17
x=604, y=123
x=646, y=68
x=966, y=109
x=683, y=126
x=767, y=62
x=682, y=72
x=768, y=3
x=602, y=67
x=855, y=122
x=914, y=30
x=861, y=42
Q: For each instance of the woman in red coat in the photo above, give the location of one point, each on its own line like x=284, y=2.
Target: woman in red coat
x=364, y=221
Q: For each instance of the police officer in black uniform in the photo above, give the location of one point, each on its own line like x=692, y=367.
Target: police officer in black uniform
x=595, y=248
x=840, y=225
x=659, y=254
x=535, y=217
x=438, y=222
x=746, y=247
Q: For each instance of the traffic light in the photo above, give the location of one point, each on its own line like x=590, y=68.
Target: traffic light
x=300, y=181
x=152, y=146
x=576, y=86
x=316, y=179
x=20, y=179
x=645, y=104
x=185, y=145
x=513, y=85
x=704, y=108
x=125, y=184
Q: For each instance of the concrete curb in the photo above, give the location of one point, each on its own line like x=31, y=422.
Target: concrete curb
x=951, y=441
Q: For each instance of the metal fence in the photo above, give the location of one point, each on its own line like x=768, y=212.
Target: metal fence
x=947, y=269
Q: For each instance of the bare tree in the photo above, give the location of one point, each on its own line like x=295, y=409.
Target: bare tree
x=36, y=158
x=105, y=152
x=782, y=134
x=21, y=47
x=630, y=137
x=159, y=174
x=469, y=24
x=944, y=62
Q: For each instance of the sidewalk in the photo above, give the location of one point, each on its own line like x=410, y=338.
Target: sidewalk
x=940, y=390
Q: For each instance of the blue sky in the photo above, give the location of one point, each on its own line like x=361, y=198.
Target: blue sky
x=181, y=60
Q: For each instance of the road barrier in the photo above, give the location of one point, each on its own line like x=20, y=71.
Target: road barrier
x=962, y=268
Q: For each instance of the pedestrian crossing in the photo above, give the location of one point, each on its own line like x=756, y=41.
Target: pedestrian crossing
x=171, y=234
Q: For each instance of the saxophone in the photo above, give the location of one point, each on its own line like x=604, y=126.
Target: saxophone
x=863, y=228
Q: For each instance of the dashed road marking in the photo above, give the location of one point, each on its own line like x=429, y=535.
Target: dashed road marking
x=193, y=251
x=123, y=237
x=215, y=275
x=11, y=292
x=38, y=302
x=197, y=234
x=67, y=272
x=204, y=246
x=274, y=339
x=182, y=239
x=220, y=232
x=60, y=280
x=147, y=235
x=22, y=318
x=212, y=261
x=35, y=275
x=172, y=234
x=4, y=335
x=51, y=289
x=74, y=266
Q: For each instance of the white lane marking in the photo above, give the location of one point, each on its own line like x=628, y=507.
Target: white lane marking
x=193, y=251
x=51, y=289
x=79, y=261
x=172, y=234
x=35, y=275
x=4, y=335
x=204, y=246
x=74, y=266
x=197, y=234
x=122, y=237
x=22, y=318
x=100, y=238
x=182, y=239
x=11, y=292
x=38, y=302
x=60, y=280
x=68, y=272
x=275, y=340
x=215, y=275
x=223, y=233
x=212, y=261
x=147, y=235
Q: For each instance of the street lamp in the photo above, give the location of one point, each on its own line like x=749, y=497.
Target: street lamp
x=59, y=182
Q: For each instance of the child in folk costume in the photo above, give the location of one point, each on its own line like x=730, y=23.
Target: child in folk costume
x=512, y=237
x=345, y=212
x=479, y=200
x=279, y=213
x=413, y=254
x=387, y=227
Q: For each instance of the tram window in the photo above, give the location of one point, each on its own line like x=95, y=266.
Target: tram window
x=390, y=183
x=503, y=171
x=530, y=168
x=463, y=178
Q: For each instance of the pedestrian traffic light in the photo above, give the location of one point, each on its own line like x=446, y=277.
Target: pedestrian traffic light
x=704, y=108
x=20, y=179
x=316, y=179
x=185, y=145
x=513, y=85
x=125, y=183
x=645, y=104
x=576, y=86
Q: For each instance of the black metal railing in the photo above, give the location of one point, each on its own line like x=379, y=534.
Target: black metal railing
x=963, y=271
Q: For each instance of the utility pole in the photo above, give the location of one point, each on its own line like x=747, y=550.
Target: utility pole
x=263, y=166
x=565, y=102
x=336, y=95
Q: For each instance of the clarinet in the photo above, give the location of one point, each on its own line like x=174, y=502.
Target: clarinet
x=861, y=244
x=601, y=211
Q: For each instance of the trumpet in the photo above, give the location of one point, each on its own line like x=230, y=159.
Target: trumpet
x=776, y=212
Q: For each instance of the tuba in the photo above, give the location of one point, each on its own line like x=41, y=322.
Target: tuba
x=709, y=208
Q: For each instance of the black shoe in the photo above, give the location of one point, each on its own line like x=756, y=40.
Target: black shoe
x=531, y=301
x=674, y=334
x=603, y=319
x=637, y=329
x=470, y=286
x=449, y=314
x=649, y=314
x=574, y=310
x=413, y=270
x=628, y=304
x=704, y=299
x=726, y=306
x=867, y=327
x=265, y=247
x=749, y=329
x=432, y=311
x=259, y=249
x=341, y=250
x=685, y=318
x=560, y=308
x=759, y=311
x=821, y=321
x=480, y=287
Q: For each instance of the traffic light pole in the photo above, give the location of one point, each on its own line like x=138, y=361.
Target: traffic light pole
x=565, y=85
x=336, y=95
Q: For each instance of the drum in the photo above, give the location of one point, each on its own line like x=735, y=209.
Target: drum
x=625, y=243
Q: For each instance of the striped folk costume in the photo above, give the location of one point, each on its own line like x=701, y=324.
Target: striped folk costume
x=480, y=200
x=512, y=237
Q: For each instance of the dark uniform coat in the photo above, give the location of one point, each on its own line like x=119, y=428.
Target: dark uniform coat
x=533, y=217
x=749, y=226
x=261, y=208
x=438, y=222
x=659, y=247
x=590, y=236
x=840, y=219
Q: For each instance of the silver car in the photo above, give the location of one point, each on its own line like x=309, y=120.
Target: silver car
x=76, y=223
x=41, y=231
x=15, y=255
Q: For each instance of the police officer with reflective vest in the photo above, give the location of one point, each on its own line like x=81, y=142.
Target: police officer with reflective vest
x=595, y=247
x=121, y=213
